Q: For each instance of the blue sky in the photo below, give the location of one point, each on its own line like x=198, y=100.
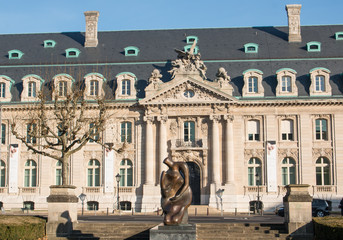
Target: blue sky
x=39, y=16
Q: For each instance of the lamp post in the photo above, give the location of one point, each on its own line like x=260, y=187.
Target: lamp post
x=82, y=198
x=258, y=192
x=118, y=177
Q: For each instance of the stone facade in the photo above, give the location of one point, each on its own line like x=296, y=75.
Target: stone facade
x=202, y=111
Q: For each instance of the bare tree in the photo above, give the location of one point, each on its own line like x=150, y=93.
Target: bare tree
x=63, y=126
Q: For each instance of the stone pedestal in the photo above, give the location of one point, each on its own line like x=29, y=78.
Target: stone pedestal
x=180, y=232
x=298, y=211
x=62, y=211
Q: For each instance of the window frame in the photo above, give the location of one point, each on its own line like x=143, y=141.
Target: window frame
x=58, y=173
x=191, y=39
x=254, y=137
x=128, y=49
x=3, y=133
x=126, y=173
x=72, y=53
x=89, y=90
x=8, y=85
x=280, y=75
x=30, y=94
x=314, y=73
x=3, y=171
x=246, y=76
x=321, y=132
x=30, y=179
x=323, y=178
x=93, y=173
x=287, y=136
x=189, y=131
x=126, y=132
x=310, y=45
x=30, y=139
x=62, y=77
x=290, y=164
x=251, y=48
x=256, y=168
x=49, y=43
x=119, y=91
x=15, y=54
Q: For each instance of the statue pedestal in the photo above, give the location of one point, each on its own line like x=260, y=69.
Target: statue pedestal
x=62, y=211
x=177, y=232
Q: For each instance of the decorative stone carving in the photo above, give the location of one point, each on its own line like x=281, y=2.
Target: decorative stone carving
x=249, y=153
x=222, y=77
x=173, y=127
x=154, y=81
x=188, y=63
x=91, y=28
x=188, y=156
x=294, y=31
x=287, y=152
x=321, y=152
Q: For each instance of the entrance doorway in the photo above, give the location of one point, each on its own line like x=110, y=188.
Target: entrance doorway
x=194, y=182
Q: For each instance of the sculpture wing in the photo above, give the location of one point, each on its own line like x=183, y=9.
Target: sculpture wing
x=191, y=51
x=180, y=53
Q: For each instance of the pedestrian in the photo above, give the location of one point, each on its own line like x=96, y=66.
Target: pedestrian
x=341, y=206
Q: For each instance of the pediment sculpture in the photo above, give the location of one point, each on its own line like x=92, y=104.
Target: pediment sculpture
x=188, y=63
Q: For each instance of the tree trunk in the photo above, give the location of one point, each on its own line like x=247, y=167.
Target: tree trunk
x=65, y=170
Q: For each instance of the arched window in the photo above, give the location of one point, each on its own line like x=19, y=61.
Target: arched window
x=286, y=85
x=94, y=88
x=323, y=171
x=2, y=174
x=58, y=173
x=288, y=171
x=92, y=205
x=125, y=205
x=3, y=133
x=93, y=173
x=126, y=179
x=320, y=83
x=252, y=85
x=2, y=90
x=30, y=174
x=126, y=87
x=62, y=88
x=189, y=131
x=31, y=91
x=254, y=167
x=126, y=132
x=253, y=130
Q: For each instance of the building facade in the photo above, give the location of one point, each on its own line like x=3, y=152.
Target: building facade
x=259, y=109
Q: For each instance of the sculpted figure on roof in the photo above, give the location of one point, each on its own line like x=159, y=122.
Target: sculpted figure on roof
x=188, y=63
x=222, y=77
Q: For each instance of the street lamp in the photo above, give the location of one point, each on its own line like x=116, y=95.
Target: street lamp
x=258, y=205
x=82, y=198
x=220, y=195
x=118, y=177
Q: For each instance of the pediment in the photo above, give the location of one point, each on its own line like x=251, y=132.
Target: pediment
x=188, y=91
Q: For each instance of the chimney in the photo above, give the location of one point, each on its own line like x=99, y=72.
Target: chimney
x=293, y=13
x=91, y=28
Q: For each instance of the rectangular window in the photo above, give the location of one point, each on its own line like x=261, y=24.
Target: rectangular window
x=126, y=87
x=90, y=178
x=31, y=89
x=94, y=133
x=126, y=132
x=33, y=177
x=30, y=133
x=287, y=130
x=58, y=176
x=122, y=179
x=252, y=85
x=2, y=177
x=189, y=131
x=320, y=84
x=97, y=177
x=286, y=84
x=62, y=89
x=3, y=133
x=27, y=178
x=129, y=177
x=321, y=129
x=94, y=88
x=251, y=176
x=253, y=130
x=2, y=90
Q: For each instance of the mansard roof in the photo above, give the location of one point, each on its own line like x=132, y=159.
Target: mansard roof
x=222, y=47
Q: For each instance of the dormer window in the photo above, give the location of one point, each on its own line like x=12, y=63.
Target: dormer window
x=339, y=35
x=126, y=89
x=31, y=86
x=191, y=39
x=252, y=83
x=131, y=51
x=72, y=52
x=15, y=54
x=62, y=85
x=313, y=46
x=5, y=88
x=188, y=48
x=49, y=43
x=251, y=48
x=320, y=85
x=286, y=83
x=94, y=83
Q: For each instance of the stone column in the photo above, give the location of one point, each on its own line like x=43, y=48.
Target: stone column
x=294, y=31
x=229, y=150
x=298, y=211
x=215, y=150
x=149, y=152
x=91, y=35
x=163, y=153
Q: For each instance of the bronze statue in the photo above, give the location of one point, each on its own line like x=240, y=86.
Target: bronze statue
x=176, y=192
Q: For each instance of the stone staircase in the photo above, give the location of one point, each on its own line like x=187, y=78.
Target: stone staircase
x=241, y=231
x=205, y=231
x=111, y=231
